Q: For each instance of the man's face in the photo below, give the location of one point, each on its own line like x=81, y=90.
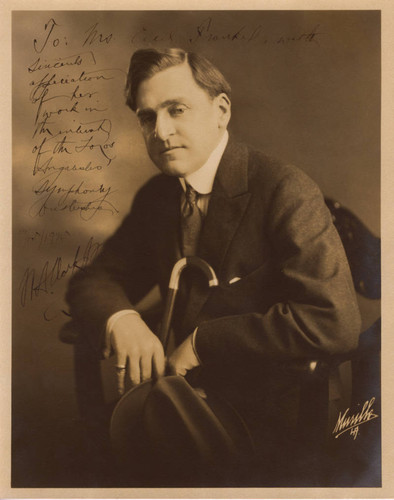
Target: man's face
x=180, y=122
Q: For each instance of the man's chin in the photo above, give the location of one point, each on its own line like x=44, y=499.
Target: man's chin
x=173, y=168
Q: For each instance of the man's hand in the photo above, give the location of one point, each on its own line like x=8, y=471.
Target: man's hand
x=183, y=358
x=138, y=347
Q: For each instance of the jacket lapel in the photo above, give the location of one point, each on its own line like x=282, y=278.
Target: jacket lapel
x=227, y=205
x=168, y=237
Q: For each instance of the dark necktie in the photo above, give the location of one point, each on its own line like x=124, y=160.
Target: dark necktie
x=191, y=222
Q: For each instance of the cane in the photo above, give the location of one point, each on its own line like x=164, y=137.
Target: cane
x=173, y=287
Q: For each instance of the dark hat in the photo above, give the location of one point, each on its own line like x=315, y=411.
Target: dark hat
x=176, y=435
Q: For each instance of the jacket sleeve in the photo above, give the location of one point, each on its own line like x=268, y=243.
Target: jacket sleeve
x=119, y=277
x=318, y=315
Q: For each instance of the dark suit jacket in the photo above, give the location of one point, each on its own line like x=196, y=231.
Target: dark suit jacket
x=268, y=225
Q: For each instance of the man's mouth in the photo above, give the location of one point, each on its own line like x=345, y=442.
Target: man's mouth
x=169, y=149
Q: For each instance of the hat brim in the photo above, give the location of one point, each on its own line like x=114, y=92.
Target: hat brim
x=189, y=436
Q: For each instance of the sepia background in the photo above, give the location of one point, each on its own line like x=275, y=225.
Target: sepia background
x=306, y=89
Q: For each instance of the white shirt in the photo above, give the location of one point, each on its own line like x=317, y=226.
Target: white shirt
x=202, y=181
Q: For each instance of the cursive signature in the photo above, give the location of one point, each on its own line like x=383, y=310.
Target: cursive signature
x=37, y=281
x=352, y=422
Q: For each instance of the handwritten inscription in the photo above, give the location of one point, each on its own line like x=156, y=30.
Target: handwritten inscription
x=207, y=31
x=95, y=36
x=56, y=197
x=72, y=130
x=48, y=36
x=51, y=36
x=45, y=238
x=350, y=422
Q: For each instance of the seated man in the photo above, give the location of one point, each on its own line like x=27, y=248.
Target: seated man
x=285, y=291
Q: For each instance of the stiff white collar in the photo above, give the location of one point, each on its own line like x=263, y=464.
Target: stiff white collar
x=202, y=179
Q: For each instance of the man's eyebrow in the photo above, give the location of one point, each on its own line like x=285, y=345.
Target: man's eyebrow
x=164, y=104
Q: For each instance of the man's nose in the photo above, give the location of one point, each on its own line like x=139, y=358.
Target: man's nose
x=164, y=126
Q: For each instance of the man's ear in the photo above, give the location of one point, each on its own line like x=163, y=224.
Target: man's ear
x=224, y=108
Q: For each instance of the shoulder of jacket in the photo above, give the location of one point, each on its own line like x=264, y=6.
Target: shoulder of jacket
x=271, y=172
x=158, y=186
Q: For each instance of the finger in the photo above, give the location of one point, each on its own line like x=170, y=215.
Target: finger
x=158, y=364
x=146, y=368
x=135, y=372
x=121, y=358
x=120, y=372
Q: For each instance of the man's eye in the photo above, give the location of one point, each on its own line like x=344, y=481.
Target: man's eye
x=177, y=110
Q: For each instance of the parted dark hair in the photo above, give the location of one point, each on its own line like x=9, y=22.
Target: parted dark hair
x=145, y=63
